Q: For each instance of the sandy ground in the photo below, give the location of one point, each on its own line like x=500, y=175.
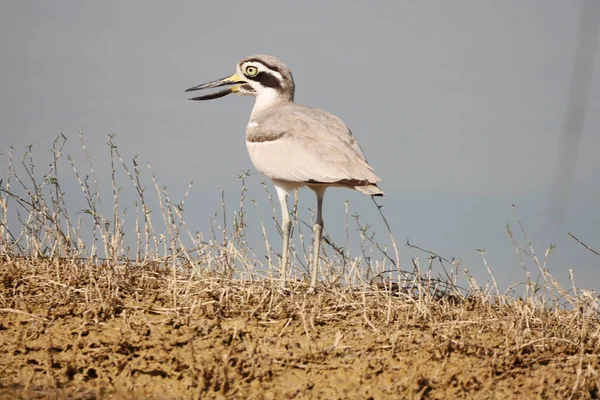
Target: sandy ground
x=70, y=332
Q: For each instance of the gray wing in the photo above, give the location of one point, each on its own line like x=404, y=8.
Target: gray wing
x=301, y=144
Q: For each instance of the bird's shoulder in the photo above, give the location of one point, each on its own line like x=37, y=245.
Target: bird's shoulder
x=300, y=120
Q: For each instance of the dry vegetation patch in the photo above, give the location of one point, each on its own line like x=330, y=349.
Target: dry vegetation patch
x=74, y=329
x=175, y=314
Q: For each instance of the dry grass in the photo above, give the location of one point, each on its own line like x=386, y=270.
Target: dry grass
x=178, y=316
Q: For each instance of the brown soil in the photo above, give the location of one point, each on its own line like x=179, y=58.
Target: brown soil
x=70, y=330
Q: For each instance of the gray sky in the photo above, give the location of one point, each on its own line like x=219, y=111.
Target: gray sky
x=458, y=105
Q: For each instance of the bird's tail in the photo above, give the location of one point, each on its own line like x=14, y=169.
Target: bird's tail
x=371, y=190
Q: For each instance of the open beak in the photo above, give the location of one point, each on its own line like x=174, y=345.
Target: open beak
x=230, y=80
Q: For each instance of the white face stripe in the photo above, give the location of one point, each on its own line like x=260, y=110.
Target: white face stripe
x=252, y=124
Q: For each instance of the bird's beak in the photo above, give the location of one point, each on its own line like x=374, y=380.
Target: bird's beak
x=230, y=80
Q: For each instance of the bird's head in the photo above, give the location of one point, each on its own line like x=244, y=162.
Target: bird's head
x=258, y=76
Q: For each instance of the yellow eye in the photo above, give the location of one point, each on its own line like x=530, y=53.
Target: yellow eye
x=251, y=71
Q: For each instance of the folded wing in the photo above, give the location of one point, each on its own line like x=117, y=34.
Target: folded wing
x=306, y=145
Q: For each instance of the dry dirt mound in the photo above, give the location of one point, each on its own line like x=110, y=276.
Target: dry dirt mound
x=72, y=330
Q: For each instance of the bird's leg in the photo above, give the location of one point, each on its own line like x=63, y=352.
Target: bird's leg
x=286, y=226
x=317, y=235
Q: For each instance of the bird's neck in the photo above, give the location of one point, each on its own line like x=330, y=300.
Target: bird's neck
x=267, y=99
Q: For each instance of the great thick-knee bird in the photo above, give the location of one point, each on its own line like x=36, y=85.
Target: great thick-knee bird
x=294, y=145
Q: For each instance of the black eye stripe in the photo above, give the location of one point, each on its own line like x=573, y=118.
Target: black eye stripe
x=267, y=80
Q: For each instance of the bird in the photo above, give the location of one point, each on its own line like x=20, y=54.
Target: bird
x=294, y=145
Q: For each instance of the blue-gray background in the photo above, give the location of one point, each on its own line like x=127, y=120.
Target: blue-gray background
x=460, y=107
